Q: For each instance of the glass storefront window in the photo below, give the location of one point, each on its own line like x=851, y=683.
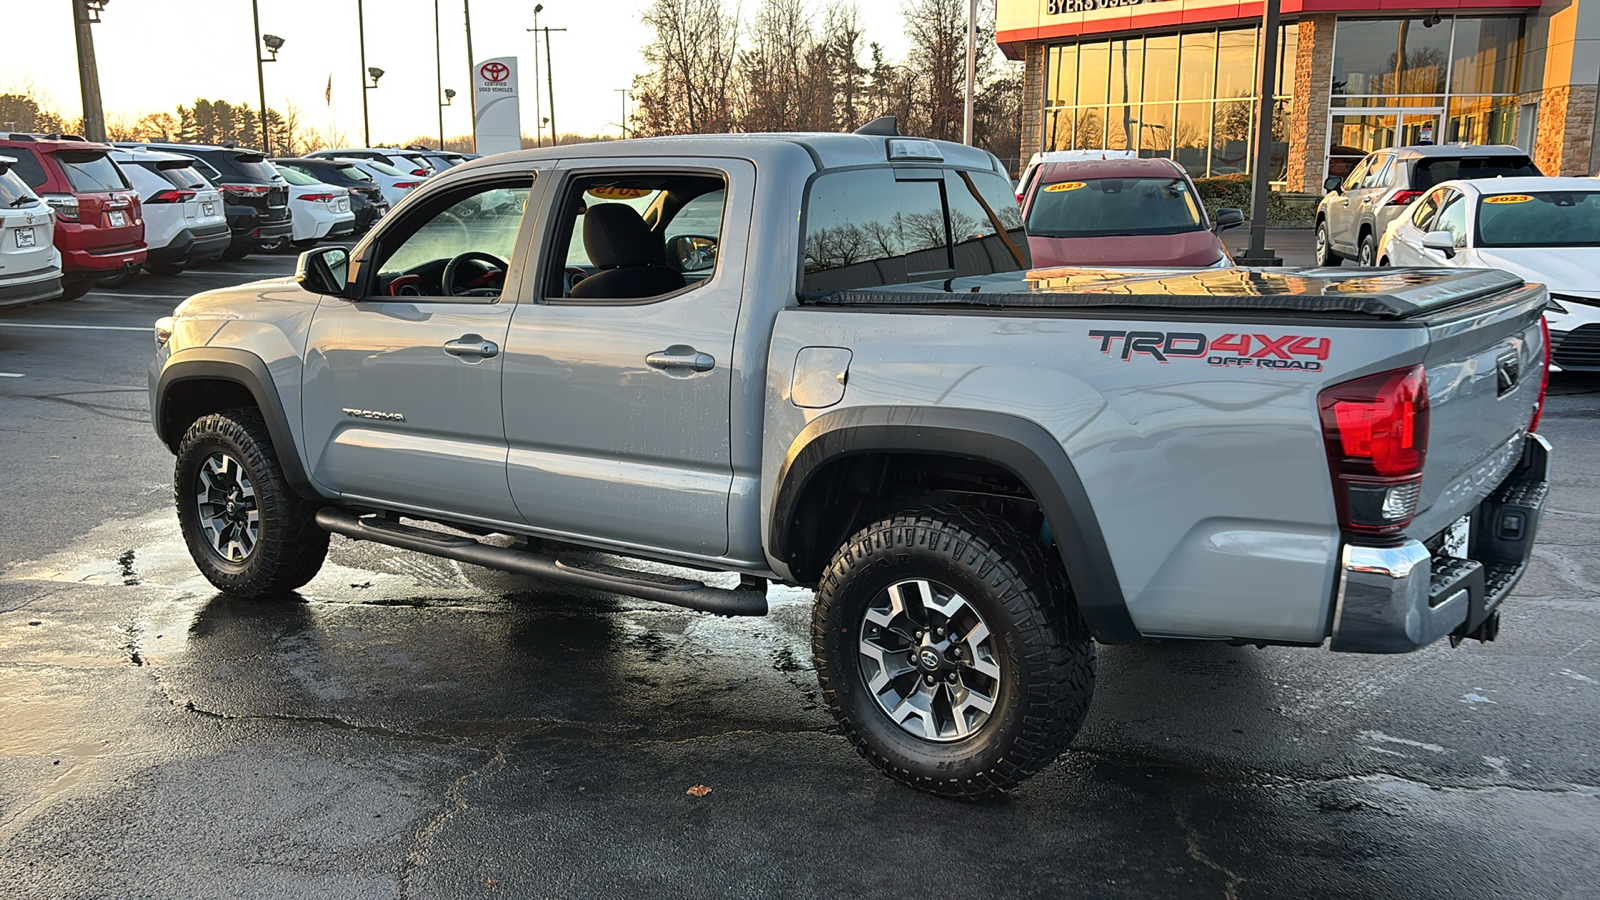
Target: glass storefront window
x=1155, y=129
x=1192, y=137
x=1122, y=128
x=1485, y=56
x=1482, y=120
x=1127, y=69
x=1061, y=89
x=1230, y=137
x=1094, y=61
x=1366, y=53
x=1198, y=60
x=1160, y=67
x=1288, y=50
x=1089, y=130
x=1236, y=64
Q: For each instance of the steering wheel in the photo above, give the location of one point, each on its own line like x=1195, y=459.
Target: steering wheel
x=493, y=264
x=574, y=275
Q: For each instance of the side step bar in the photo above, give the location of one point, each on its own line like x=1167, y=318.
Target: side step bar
x=741, y=601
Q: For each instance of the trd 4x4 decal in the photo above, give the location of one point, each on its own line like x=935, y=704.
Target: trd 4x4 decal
x=1243, y=350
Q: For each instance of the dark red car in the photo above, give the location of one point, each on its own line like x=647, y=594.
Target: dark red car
x=99, y=224
x=1122, y=212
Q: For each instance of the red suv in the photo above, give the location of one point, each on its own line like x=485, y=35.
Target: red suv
x=99, y=226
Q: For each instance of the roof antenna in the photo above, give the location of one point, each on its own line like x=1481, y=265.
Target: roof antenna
x=884, y=125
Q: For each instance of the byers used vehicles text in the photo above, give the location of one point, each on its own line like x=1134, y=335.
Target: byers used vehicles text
x=842, y=375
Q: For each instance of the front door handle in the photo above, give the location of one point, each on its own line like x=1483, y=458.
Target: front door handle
x=472, y=346
x=680, y=356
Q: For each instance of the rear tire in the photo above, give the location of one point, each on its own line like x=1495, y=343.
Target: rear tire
x=120, y=280
x=164, y=269
x=1324, y=247
x=247, y=530
x=236, y=252
x=274, y=245
x=1368, y=254
x=971, y=716
x=72, y=290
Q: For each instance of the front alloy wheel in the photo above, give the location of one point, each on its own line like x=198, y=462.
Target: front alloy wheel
x=227, y=512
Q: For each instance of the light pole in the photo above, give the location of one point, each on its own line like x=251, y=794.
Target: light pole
x=366, y=130
x=972, y=72
x=438, y=73
x=449, y=94
x=624, y=93
x=273, y=43
x=472, y=73
x=1257, y=253
x=84, y=14
x=538, y=114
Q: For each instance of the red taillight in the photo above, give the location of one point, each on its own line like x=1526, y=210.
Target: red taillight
x=173, y=195
x=316, y=198
x=1376, y=433
x=1544, y=376
x=408, y=185
x=420, y=172
x=247, y=190
x=1401, y=198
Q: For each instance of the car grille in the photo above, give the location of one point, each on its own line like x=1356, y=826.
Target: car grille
x=1579, y=349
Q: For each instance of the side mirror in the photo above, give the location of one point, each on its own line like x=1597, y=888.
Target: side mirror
x=1332, y=183
x=693, y=252
x=324, y=270
x=1225, y=218
x=1442, y=241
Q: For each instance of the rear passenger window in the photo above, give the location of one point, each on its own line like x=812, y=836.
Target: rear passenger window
x=1425, y=210
x=873, y=227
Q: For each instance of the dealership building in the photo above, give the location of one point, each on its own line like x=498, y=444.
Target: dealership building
x=1178, y=78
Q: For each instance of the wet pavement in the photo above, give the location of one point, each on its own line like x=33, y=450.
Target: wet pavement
x=411, y=727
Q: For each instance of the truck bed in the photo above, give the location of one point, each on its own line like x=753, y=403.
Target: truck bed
x=1366, y=293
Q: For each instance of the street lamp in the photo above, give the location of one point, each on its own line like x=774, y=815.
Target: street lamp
x=376, y=73
x=550, y=76
x=273, y=44
x=449, y=94
x=95, y=8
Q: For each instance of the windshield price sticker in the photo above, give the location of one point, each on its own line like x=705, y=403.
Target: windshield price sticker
x=1508, y=198
x=1063, y=186
x=617, y=193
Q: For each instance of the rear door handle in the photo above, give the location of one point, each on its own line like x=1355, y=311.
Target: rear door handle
x=681, y=356
x=472, y=346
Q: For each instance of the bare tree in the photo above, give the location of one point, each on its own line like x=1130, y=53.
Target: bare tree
x=690, y=84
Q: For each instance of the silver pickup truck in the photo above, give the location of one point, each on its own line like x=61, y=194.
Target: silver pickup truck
x=823, y=360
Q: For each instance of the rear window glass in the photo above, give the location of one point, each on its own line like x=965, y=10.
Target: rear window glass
x=255, y=166
x=353, y=173
x=868, y=228
x=90, y=173
x=14, y=192
x=1545, y=219
x=1430, y=172
x=1103, y=207
x=385, y=168
x=187, y=177
x=27, y=165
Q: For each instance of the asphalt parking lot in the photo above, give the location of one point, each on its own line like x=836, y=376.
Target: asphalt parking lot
x=411, y=727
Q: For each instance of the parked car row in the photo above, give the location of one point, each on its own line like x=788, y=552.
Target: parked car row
x=75, y=214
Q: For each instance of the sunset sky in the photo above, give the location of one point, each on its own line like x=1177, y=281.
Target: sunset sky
x=156, y=54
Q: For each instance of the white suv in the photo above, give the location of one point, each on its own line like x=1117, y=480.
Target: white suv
x=184, y=217
x=30, y=264
x=320, y=210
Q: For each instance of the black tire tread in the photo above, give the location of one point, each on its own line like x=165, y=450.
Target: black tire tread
x=292, y=546
x=1059, y=652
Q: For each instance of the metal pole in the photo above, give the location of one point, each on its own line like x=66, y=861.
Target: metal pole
x=1258, y=254
x=438, y=73
x=972, y=72
x=261, y=78
x=550, y=75
x=361, y=37
x=472, y=73
x=94, y=116
x=538, y=129
x=624, y=93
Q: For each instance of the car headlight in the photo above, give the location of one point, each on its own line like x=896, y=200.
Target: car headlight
x=163, y=330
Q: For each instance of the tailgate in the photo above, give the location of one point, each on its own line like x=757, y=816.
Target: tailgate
x=1485, y=366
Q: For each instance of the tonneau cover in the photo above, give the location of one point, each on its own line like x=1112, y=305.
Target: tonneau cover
x=1379, y=293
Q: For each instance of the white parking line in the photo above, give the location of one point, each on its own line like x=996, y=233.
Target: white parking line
x=10, y=374
x=140, y=296
x=76, y=327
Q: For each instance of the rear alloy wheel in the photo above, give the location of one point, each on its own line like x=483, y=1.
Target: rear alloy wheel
x=949, y=650
x=1325, y=254
x=272, y=245
x=1368, y=254
x=247, y=530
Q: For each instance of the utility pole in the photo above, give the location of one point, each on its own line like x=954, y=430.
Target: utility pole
x=538, y=129
x=550, y=76
x=624, y=93
x=972, y=72
x=1257, y=254
x=472, y=73
x=261, y=78
x=84, y=14
x=361, y=38
x=438, y=73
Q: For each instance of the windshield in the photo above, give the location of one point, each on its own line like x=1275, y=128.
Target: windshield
x=296, y=176
x=1101, y=207
x=14, y=191
x=91, y=172
x=1543, y=219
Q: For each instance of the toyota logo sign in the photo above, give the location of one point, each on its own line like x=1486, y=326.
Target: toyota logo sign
x=494, y=71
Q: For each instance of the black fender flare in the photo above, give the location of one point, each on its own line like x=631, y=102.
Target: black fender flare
x=248, y=371
x=1018, y=445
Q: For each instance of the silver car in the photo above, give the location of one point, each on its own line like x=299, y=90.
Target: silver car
x=1358, y=207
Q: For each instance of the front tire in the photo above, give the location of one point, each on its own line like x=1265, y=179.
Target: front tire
x=1325, y=254
x=247, y=530
x=949, y=650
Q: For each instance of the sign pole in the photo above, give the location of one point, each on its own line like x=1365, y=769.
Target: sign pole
x=1258, y=254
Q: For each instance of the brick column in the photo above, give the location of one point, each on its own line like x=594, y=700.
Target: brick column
x=1566, y=36
x=1308, y=116
x=1032, y=102
x=1565, y=133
